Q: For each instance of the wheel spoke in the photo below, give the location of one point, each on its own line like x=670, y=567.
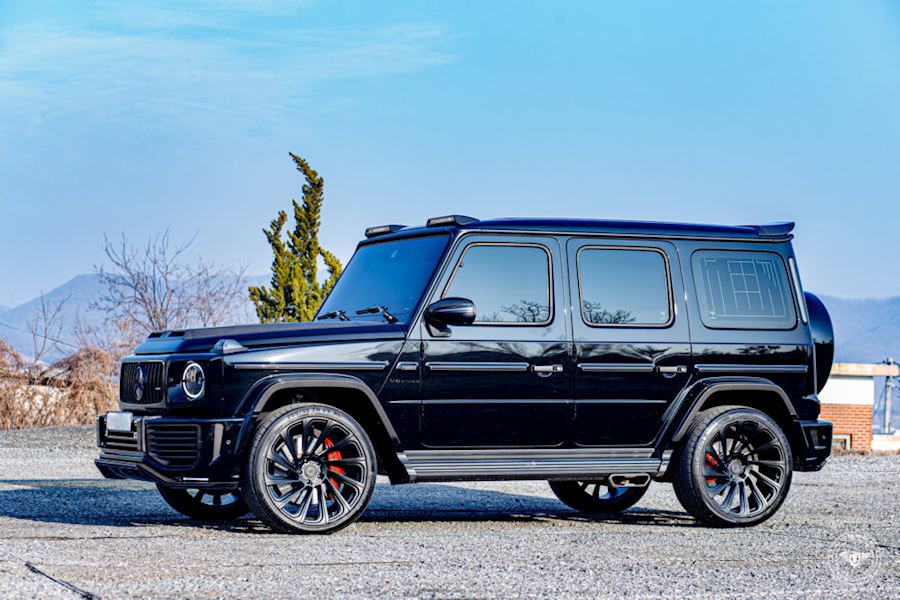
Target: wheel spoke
x=711, y=450
x=305, y=504
x=729, y=497
x=336, y=447
x=320, y=438
x=777, y=464
x=760, y=497
x=280, y=461
x=281, y=480
x=290, y=445
x=358, y=485
x=770, y=444
x=768, y=481
x=723, y=436
x=743, y=501
x=290, y=497
x=717, y=489
x=323, y=503
x=355, y=460
x=337, y=495
x=713, y=472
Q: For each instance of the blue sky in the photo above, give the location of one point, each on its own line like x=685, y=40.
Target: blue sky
x=132, y=118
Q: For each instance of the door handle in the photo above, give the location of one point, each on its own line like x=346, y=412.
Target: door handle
x=546, y=370
x=672, y=370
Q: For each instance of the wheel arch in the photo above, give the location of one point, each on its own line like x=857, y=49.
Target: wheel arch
x=343, y=392
x=752, y=392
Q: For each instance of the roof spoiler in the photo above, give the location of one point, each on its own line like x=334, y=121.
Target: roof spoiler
x=777, y=229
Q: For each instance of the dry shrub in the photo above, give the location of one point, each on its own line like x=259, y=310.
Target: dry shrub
x=70, y=392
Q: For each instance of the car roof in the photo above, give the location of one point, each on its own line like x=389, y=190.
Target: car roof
x=657, y=229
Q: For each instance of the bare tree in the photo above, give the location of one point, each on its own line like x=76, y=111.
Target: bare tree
x=154, y=288
x=143, y=286
x=595, y=313
x=216, y=293
x=528, y=311
x=46, y=327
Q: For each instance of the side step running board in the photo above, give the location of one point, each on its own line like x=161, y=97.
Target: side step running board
x=438, y=465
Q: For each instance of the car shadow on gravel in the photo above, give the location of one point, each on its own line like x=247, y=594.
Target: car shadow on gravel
x=129, y=504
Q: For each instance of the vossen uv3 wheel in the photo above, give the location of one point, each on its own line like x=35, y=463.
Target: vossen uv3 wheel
x=596, y=497
x=310, y=469
x=735, y=467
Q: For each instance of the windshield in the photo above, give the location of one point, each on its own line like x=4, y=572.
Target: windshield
x=389, y=274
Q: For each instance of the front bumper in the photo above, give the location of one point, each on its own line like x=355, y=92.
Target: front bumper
x=817, y=436
x=178, y=452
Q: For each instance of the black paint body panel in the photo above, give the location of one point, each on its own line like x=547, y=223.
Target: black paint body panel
x=564, y=386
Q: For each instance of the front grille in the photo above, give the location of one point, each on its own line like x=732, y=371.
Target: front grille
x=173, y=444
x=142, y=383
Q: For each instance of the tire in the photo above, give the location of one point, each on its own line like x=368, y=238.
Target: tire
x=310, y=468
x=739, y=484
x=596, y=497
x=205, y=505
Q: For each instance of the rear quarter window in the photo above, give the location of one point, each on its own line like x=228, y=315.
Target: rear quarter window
x=743, y=290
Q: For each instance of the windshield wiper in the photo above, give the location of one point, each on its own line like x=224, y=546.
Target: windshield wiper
x=378, y=309
x=335, y=314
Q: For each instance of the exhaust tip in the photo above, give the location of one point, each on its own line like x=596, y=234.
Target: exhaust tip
x=630, y=480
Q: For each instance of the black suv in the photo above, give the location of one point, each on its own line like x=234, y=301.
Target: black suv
x=598, y=355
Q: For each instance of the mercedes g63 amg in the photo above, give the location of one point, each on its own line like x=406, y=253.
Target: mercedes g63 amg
x=597, y=355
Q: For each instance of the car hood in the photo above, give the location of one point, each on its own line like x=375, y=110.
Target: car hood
x=268, y=334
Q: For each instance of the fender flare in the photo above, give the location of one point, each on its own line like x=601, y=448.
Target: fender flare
x=266, y=387
x=703, y=389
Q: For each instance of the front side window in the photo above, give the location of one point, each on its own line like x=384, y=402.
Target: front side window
x=509, y=284
x=743, y=290
x=624, y=287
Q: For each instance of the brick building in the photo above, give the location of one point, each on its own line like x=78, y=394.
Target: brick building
x=848, y=400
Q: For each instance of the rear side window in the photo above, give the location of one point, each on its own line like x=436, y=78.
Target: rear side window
x=509, y=283
x=743, y=290
x=624, y=287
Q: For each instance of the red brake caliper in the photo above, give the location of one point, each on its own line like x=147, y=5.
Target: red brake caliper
x=334, y=456
x=711, y=462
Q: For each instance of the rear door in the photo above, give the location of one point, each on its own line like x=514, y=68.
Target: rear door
x=632, y=345
x=504, y=381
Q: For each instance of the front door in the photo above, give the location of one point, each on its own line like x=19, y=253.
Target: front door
x=504, y=381
x=632, y=344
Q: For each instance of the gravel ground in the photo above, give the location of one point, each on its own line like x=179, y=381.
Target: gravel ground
x=66, y=531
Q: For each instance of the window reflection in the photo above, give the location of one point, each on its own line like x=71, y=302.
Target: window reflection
x=623, y=287
x=508, y=283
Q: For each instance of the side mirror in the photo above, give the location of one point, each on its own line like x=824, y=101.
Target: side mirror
x=450, y=311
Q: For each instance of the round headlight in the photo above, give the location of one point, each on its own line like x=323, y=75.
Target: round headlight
x=193, y=381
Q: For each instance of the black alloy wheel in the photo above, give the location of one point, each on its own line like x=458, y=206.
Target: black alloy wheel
x=310, y=469
x=596, y=497
x=205, y=504
x=735, y=468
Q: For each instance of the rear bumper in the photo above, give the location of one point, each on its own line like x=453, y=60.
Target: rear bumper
x=178, y=452
x=817, y=436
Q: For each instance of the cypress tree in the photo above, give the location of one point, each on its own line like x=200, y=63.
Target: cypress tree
x=295, y=292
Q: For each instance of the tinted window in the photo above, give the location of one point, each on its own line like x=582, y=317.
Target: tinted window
x=393, y=274
x=744, y=290
x=508, y=284
x=623, y=287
